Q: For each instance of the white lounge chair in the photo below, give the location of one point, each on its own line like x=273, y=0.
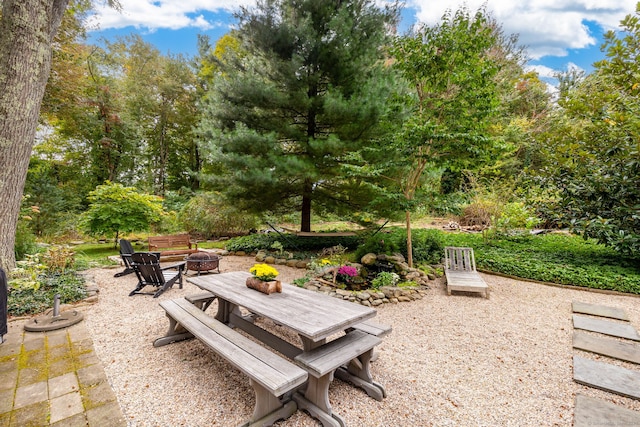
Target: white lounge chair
x=460, y=271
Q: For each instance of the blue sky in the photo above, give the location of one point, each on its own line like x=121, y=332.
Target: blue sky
x=558, y=34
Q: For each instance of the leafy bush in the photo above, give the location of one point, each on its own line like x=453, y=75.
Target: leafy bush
x=385, y=278
x=33, y=287
x=516, y=215
x=427, y=244
x=252, y=242
x=207, y=214
x=388, y=242
x=58, y=259
x=25, y=241
x=290, y=242
x=116, y=209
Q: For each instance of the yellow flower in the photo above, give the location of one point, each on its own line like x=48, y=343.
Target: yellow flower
x=263, y=272
x=325, y=261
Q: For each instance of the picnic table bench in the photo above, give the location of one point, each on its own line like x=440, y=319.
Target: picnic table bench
x=271, y=376
x=178, y=244
x=355, y=350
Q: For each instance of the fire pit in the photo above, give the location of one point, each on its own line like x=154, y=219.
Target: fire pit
x=202, y=261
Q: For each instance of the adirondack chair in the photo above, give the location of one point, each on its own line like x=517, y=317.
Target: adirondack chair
x=460, y=271
x=147, y=268
x=126, y=250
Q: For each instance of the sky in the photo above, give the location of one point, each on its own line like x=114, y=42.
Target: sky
x=558, y=34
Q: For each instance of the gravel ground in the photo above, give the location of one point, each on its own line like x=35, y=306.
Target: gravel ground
x=457, y=360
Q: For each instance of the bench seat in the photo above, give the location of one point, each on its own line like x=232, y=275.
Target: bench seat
x=270, y=375
x=330, y=356
x=373, y=328
x=202, y=300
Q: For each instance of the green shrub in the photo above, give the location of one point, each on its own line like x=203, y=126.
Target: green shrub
x=388, y=242
x=32, y=287
x=252, y=242
x=25, y=241
x=385, y=278
x=427, y=244
x=207, y=214
x=290, y=242
x=516, y=215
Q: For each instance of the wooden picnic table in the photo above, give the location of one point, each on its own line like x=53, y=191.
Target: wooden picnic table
x=314, y=317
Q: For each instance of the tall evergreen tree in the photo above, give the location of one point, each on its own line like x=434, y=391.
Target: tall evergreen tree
x=305, y=90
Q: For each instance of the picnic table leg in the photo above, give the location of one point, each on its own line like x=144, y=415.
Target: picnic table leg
x=358, y=372
x=268, y=408
x=175, y=333
x=315, y=400
x=224, y=310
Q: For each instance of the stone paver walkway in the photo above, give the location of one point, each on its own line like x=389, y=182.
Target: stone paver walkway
x=604, y=376
x=54, y=378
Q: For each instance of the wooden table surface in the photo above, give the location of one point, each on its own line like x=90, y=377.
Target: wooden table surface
x=312, y=315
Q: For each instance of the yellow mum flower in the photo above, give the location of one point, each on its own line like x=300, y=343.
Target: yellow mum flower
x=264, y=272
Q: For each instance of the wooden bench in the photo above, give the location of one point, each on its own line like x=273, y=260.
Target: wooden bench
x=270, y=375
x=202, y=300
x=178, y=244
x=460, y=271
x=353, y=350
x=373, y=328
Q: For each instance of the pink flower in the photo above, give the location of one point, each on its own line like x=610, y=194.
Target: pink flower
x=347, y=270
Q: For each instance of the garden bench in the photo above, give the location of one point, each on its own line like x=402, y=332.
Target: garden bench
x=270, y=375
x=460, y=271
x=178, y=244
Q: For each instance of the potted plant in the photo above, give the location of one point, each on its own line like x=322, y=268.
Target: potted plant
x=263, y=279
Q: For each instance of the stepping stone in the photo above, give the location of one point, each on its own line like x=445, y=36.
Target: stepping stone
x=592, y=412
x=606, y=327
x=627, y=351
x=599, y=310
x=604, y=376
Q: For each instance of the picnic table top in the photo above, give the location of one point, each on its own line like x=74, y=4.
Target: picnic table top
x=311, y=314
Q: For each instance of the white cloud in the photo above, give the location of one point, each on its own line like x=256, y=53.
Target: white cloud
x=542, y=70
x=545, y=27
x=164, y=14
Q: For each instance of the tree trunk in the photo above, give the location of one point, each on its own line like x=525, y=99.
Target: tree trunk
x=409, y=244
x=27, y=28
x=305, y=216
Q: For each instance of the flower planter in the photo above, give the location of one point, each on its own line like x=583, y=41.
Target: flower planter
x=264, y=287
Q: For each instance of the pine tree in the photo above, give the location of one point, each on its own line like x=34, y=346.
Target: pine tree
x=291, y=106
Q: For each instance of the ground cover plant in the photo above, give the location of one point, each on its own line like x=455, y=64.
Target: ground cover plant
x=37, y=279
x=556, y=258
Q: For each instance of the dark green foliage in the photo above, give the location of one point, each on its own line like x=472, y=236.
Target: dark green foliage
x=427, y=246
x=593, y=146
x=291, y=242
x=294, y=104
x=25, y=240
x=384, y=242
x=27, y=301
x=562, y=259
x=208, y=215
